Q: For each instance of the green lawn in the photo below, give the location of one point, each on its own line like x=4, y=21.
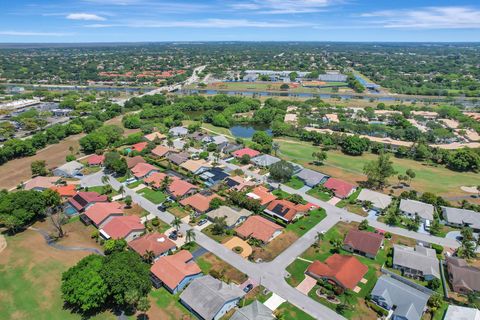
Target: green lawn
x=295, y=183
x=134, y=184
x=306, y=223
x=30, y=280
x=219, y=238
x=156, y=197
x=290, y=312
x=169, y=304
x=319, y=194
x=439, y=180
x=281, y=194
x=351, y=198
x=297, y=272
x=99, y=189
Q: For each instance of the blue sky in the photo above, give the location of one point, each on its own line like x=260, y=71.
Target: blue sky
x=240, y=20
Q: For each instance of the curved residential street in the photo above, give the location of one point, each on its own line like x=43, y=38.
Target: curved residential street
x=272, y=274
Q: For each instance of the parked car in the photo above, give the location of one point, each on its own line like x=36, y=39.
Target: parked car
x=162, y=207
x=202, y=222
x=173, y=235
x=248, y=288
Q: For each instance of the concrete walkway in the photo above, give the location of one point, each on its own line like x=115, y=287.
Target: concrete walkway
x=274, y=302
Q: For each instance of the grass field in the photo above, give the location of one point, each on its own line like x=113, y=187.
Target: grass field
x=156, y=197
x=165, y=306
x=31, y=272
x=290, y=312
x=270, y=86
x=295, y=183
x=438, y=180
x=319, y=194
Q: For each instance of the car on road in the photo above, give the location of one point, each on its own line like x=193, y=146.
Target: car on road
x=248, y=288
x=162, y=207
x=202, y=222
x=173, y=235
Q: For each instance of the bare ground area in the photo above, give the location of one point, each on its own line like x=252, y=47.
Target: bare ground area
x=275, y=247
x=16, y=171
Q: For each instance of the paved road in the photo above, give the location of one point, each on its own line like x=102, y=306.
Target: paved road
x=272, y=274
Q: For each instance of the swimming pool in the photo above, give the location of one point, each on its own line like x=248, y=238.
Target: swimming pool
x=70, y=211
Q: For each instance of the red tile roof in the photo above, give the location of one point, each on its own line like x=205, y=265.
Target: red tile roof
x=171, y=270
x=82, y=199
x=346, y=271
x=245, y=151
x=142, y=169
x=155, y=242
x=120, y=227
x=66, y=191
x=161, y=151
x=363, y=241
x=99, y=212
x=155, y=179
x=133, y=161
x=199, y=202
x=259, y=228
x=179, y=187
x=263, y=194
x=139, y=146
x=95, y=159
x=341, y=188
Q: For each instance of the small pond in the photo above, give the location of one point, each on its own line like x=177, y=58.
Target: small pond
x=247, y=131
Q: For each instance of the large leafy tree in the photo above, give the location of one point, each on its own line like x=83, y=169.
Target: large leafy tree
x=354, y=145
x=378, y=171
x=83, y=287
x=281, y=171
x=124, y=272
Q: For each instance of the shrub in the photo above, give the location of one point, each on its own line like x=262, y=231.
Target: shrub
x=438, y=248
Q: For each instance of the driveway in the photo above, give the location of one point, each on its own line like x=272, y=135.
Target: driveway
x=334, y=201
x=306, y=285
x=274, y=302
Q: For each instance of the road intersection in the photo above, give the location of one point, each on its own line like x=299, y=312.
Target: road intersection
x=272, y=274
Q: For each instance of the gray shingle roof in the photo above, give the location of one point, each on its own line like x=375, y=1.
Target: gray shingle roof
x=207, y=295
x=379, y=200
x=462, y=216
x=420, y=258
x=71, y=167
x=409, y=302
x=232, y=215
x=311, y=177
x=265, y=160
x=424, y=210
x=254, y=311
x=178, y=131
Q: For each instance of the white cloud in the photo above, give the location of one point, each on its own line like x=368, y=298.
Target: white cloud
x=285, y=6
x=428, y=18
x=30, y=34
x=85, y=17
x=207, y=23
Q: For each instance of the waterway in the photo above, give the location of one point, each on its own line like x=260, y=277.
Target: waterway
x=247, y=131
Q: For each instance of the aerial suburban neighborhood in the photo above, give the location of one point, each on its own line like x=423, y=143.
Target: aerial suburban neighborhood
x=178, y=161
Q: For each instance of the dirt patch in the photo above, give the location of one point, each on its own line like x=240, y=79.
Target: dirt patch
x=275, y=247
x=223, y=269
x=16, y=171
x=3, y=243
x=135, y=210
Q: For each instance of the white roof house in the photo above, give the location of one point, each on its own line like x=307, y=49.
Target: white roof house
x=69, y=169
x=419, y=259
x=414, y=207
x=461, y=313
x=379, y=200
x=461, y=217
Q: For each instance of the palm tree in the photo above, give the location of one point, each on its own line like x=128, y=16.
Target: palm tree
x=105, y=179
x=165, y=183
x=275, y=147
x=121, y=190
x=190, y=235
x=176, y=223
x=149, y=256
x=319, y=237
